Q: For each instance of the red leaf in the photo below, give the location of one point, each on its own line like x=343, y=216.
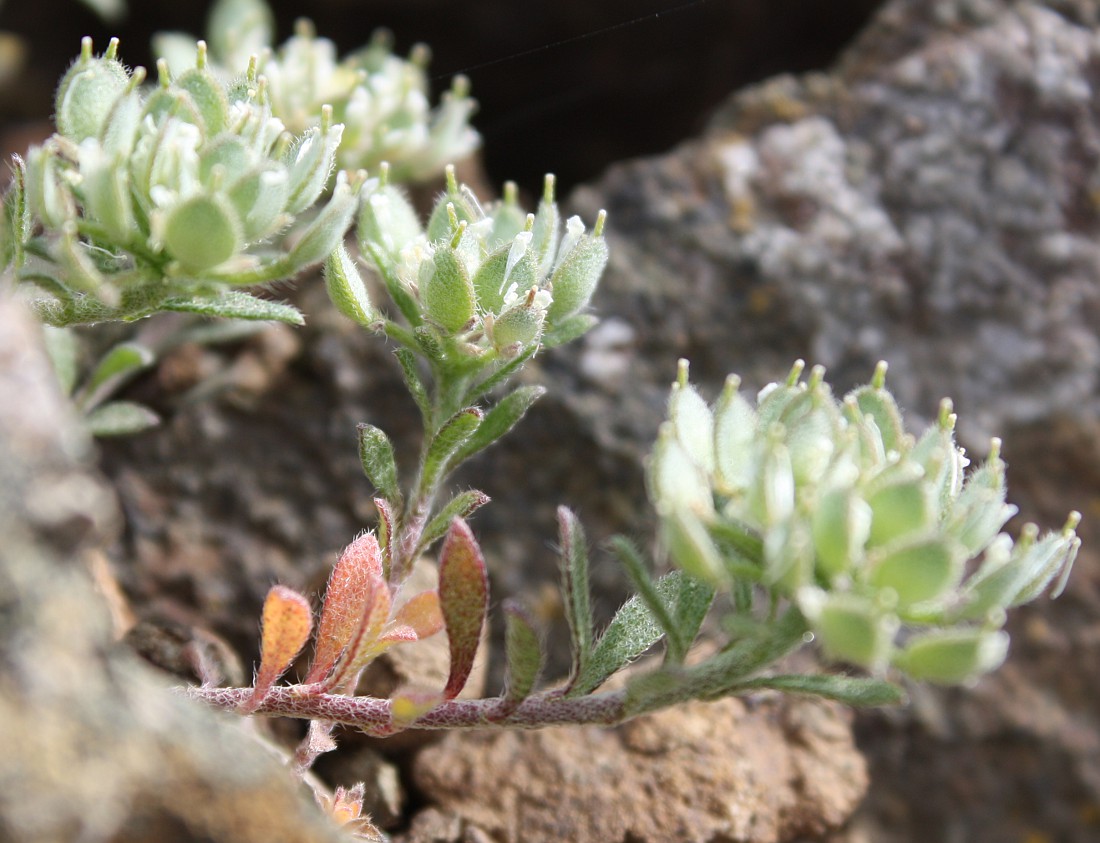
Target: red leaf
x=463, y=599
x=285, y=626
x=352, y=584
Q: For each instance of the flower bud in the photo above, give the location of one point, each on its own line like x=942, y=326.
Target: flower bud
x=694, y=423
x=734, y=431
x=675, y=480
x=346, y=288
x=387, y=221
x=310, y=161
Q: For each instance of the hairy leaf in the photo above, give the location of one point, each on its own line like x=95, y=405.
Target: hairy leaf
x=350, y=588
x=523, y=651
x=287, y=621
x=118, y=365
x=412, y=381
x=505, y=415
x=574, y=570
x=236, y=305
x=462, y=505
x=120, y=418
x=451, y=436
x=464, y=600
x=376, y=455
x=850, y=690
x=422, y=614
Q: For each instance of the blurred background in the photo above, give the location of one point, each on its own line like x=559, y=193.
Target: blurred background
x=564, y=85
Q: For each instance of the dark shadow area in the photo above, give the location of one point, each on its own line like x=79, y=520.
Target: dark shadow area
x=563, y=85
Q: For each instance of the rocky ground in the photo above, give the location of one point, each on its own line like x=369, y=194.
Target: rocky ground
x=933, y=200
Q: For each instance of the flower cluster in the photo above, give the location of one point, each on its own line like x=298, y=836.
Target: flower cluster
x=892, y=552
x=485, y=282
x=163, y=199
x=380, y=98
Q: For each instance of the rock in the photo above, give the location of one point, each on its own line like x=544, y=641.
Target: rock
x=763, y=771
x=96, y=747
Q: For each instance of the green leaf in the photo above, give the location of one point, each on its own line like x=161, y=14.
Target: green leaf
x=464, y=601
x=376, y=456
x=575, y=588
x=692, y=604
x=631, y=632
x=505, y=415
x=451, y=436
x=500, y=375
x=61, y=345
x=120, y=418
x=236, y=305
x=850, y=690
x=569, y=329
x=118, y=365
x=462, y=505
x=523, y=652
x=412, y=381
x=657, y=605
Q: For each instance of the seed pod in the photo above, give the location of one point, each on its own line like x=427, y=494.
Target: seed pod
x=576, y=274
x=850, y=627
x=518, y=327
x=88, y=91
x=447, y=292
x=953, y=656
x=202, y=232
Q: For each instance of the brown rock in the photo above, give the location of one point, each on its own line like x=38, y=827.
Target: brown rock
x=732, y=771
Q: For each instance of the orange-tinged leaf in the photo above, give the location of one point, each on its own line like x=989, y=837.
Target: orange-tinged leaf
x=352, y=584
x=463, y=599
x=287, y=621
x=367, y=643
x=422, y=613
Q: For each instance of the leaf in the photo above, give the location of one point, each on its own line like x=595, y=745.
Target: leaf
x=376, y=456
x=464, y=600
x=236, y=305
x=422, y=614
x=120, y=418
x=116, y=367
x=500, y=375
x=412, y=381
x=571, y=328
x=574, y=570
x=850, y=690
x=462, y=505
x=505, y=415
x=350, y=587
x=451, y=436
x=285, y=627
x=647, y=591
x=523, y=652
x=631, y=632
x=385, y=534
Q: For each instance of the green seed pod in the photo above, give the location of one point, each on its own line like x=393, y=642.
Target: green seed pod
x=259, y=198
x=920, y=571
x=873, y=400
x=545, y=229
x=953, y=656
x=202, y=232
x=899, y=509
x=510, y=267
x=841, y=527
x=734, y=431
x=123, y=123
x=851, y=628
x=576, y=275
x=327, y=230
x=980, y=510
x=693, y=421
x=387, y=221
x=208, y=96
x=689, y=543
x=447, y=292
x=675, y=480
x=456, y=206
x=310, y=161
x=518, y=327
x=88, y=91
x=509, y=219
x=107, y=194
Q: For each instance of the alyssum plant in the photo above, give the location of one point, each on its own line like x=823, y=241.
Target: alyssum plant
x=792, y=518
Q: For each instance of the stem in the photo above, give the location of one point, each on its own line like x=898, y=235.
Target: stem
x=374, y=715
